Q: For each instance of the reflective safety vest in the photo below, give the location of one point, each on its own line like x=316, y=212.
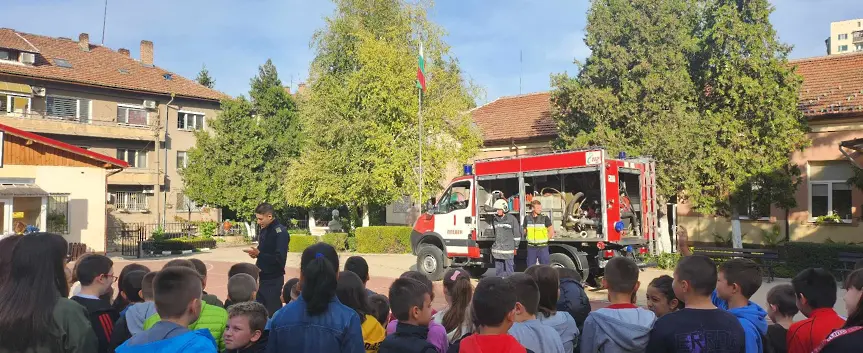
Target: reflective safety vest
x=537, y=229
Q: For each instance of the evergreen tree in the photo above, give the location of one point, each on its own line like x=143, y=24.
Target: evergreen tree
x=241, y=162
x=634, y=93
x=749, y=109
x=204, y=78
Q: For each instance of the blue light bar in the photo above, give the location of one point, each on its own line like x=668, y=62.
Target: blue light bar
x=468, y=169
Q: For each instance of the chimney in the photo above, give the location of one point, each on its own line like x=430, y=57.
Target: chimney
x=84, y=41
x=301, y=88
x=147, y=52
x=287, y=89
x=124, y=51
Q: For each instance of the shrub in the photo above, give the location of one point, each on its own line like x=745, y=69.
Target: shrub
x=207, y=229
x=384, y=239
x=301, y=242
x=800, y=256
x=665, y=261
x=181, y=244
x=337, y=240
x=352, y=243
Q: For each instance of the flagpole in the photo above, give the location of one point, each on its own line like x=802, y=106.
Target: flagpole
x=420, y=115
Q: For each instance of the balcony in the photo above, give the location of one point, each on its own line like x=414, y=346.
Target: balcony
x=125, y=201
x=134, y=176
x=41, y=122
x=857, y=37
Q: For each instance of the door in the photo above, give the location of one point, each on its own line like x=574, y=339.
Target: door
x=453, y=217
x=6, y=217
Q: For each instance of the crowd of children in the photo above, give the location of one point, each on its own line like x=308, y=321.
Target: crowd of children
x=702, y=308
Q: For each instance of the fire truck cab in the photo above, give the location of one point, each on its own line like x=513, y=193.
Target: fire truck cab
x=600, y=207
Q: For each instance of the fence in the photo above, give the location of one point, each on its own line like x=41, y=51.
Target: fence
x=134, y=239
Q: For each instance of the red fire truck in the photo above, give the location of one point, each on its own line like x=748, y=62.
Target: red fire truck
x=600, y=207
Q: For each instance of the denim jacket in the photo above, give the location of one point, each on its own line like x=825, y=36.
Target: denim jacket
x=338, y=330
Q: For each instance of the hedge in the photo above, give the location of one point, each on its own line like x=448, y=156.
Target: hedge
x=337, y=240
x=384, y=239
x=800, y=256
x=301, y=242
x=794, y=257
x=179, y=244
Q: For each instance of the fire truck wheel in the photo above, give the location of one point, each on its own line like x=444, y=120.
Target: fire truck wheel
x=430, y=262
x=561, y=260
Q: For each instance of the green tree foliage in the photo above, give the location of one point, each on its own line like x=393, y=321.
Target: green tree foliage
x=702, y=86
x=362, y=108
x=241, y=161
x=204, y=78
x=634, y=93
x=749, y=110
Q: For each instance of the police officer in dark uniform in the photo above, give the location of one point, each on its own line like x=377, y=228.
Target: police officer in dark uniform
x=271, y=255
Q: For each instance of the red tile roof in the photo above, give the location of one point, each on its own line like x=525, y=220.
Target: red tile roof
x=114, y=162
x=832, y=85
x=100, y=66
x=521, y=117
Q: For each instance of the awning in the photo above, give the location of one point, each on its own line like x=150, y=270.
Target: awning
x=22, y=190
x=855, y=145
x=15, y=88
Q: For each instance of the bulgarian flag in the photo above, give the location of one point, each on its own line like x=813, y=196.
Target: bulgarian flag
x=421, y=71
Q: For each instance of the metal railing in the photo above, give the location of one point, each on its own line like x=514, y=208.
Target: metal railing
x=130, y=201
x=101, y=121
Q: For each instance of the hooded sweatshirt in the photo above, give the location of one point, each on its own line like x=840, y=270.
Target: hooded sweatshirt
x=136, y=314
x=617, y=328
x=565, y=326
x=752, y=318
x=168, y=337
x=537, y=337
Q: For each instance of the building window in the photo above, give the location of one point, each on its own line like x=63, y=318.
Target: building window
x=67, y=108
x=843, y=36
x=58, y=214
x=185, y=204
x=190, y=121
x=135, y=158
x=182, y=159
x=843, y=48
x=755, y=203
x=829, y=192
x=129, y=200
x=14, y=103
x=5, y=55
x=131, y=115
x=858, y=47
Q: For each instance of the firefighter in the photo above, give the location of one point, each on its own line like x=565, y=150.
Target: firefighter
x=538, y=229
x=507, y=234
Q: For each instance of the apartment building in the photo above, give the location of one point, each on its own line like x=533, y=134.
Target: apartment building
x=103, y=100
x=845, y=37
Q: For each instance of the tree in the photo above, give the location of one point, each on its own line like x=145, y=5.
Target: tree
x=702, y=86
x=749, y=114
x=204, y=78
x=634, y=93
x=362, y=106
x=268, y=77
x=241, y=161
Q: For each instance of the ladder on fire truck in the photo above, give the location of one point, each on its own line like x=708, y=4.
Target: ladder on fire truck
x=649, y=212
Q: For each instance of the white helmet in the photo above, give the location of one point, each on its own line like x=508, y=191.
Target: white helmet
x=501, y=204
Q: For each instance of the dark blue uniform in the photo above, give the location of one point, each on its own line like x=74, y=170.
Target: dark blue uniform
x=273, y=245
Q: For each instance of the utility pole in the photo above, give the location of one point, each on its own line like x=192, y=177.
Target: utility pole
x=104, y=20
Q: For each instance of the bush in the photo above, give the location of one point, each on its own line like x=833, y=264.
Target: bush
x=384, y=239
x=337, y=240
x=665, y=261
x=301, y=242
x=800, y=256
x=352, y=243
x=207, y=229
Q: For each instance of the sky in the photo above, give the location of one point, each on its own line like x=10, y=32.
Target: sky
x=508, y=47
